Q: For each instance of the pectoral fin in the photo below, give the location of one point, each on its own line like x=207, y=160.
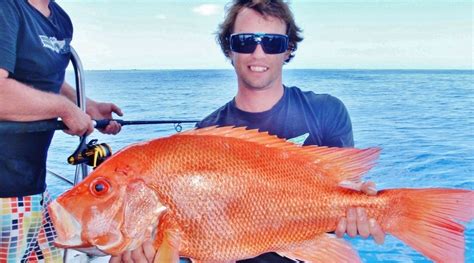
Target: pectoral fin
x=324, y=248
x=168, y=250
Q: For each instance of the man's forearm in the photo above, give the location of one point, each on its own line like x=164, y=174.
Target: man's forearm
x=19, y=102
x=70, y=93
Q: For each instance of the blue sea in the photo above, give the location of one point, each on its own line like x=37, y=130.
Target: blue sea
x=422, y=119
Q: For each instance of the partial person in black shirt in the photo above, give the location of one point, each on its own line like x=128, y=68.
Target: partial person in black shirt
x=34, y=53
x=259, y=37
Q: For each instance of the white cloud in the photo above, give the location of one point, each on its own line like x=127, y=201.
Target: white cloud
x=207, y=9
x=160, y=17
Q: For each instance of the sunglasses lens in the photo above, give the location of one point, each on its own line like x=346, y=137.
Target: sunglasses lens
x=274, y=44
x=247, y=43
x=243, y=43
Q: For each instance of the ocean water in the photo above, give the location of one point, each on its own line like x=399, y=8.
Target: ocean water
x=423, y=121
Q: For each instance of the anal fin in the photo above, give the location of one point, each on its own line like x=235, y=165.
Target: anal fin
x=324, y=248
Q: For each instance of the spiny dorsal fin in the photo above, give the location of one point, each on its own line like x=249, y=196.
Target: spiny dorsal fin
x=344, y=163
x=341, y=163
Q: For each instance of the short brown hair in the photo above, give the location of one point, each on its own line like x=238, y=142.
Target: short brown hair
x=274, y=8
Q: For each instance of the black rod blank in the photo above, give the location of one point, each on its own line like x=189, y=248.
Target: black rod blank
x=9, y=127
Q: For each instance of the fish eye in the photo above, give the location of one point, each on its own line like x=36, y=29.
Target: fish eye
x=100, y=187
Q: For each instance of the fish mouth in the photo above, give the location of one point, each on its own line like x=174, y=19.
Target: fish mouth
x=68, y=232
x=68, y=228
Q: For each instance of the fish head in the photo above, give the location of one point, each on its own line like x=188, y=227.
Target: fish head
x=111, y=211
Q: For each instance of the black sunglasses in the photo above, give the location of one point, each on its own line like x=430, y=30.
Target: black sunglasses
x=247, y=43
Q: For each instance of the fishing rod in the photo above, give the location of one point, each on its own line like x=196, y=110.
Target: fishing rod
x=60, y=177
x=92, y=153
x=9, y=127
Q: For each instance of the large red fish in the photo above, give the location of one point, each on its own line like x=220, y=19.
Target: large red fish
x=223, y=194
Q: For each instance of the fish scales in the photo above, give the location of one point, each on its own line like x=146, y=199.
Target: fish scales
x=226, y=194
x=248, y=189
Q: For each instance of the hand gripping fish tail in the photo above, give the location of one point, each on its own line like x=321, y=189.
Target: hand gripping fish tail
x=225, y=194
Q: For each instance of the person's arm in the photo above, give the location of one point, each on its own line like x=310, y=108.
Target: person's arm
x=96, y=110
x=337, y=125
x=338, y=133
x=19, y=102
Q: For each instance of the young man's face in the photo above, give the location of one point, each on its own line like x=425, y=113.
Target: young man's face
x=258, y=70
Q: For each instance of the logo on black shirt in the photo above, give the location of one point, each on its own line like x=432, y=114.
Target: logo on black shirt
x=58, y=46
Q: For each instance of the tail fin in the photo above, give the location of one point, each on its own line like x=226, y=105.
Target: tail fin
x=427, y=220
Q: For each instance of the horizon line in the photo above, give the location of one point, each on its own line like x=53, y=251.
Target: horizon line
x=190, y=69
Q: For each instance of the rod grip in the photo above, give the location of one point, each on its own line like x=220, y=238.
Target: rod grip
x=100, y=124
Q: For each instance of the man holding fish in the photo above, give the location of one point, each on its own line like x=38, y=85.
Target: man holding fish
x=259, y=37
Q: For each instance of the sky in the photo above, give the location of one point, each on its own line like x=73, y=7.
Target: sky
x=350, y=34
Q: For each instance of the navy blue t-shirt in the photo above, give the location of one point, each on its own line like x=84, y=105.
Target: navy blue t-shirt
x=321, y=117
x=316, y=119
x=35, y=50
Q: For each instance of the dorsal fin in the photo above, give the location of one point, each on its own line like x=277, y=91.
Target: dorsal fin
x=341, y=163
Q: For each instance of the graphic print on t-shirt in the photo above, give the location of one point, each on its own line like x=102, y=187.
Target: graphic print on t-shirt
x=58, y=46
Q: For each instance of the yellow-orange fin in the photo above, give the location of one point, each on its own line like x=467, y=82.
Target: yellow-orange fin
x=324, y=248
x=427, y=220
x=344, y=164
x=168, y=249
x=341, y=164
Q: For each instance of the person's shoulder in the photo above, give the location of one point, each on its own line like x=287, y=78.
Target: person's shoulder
x=17, y=9
x=332, y=100
x=11, y=13
x=10, y=4
x=215, y=118
x=312, y=97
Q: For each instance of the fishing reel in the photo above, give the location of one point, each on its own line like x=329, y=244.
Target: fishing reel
x=92, y=153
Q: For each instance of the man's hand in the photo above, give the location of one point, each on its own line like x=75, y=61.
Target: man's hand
x=76, y=120
x=95, y=110
x=356, y=221
x=100, y=110
x=143, y=254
